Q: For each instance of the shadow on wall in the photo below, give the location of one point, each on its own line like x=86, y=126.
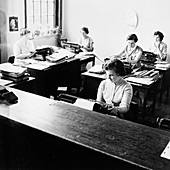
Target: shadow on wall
x=3, y=37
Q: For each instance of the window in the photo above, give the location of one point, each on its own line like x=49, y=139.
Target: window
x=42, y=16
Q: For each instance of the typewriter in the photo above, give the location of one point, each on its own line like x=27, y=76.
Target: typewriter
x=71, y=46
x=43, y=52
x=148, y=57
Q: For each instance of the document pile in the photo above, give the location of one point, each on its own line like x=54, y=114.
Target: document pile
x=60, y=55
x=162, y=65
x=14, y=73
x=144, y=77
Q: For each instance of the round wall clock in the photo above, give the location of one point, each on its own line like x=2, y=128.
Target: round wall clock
x=132, y=19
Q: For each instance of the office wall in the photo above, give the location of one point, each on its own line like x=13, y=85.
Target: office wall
x=10, y=8
x=107, y=22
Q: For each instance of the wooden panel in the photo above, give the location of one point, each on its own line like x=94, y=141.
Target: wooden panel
x=112, y=138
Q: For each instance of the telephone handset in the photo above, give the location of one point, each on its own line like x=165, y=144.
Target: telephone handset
x=9, y=96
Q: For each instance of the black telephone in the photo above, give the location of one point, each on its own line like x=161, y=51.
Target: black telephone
x=9, y=96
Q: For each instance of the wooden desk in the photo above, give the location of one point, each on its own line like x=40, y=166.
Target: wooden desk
x=65, y=74
x=48, y=134
x=93, y=80
x=165, y=84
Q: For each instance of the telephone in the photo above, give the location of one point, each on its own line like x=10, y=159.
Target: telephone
x=9, y=96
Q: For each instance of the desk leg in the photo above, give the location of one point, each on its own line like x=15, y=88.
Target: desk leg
x=93, y=62
x=154, y=101
x=144, y=105
x=167, y=94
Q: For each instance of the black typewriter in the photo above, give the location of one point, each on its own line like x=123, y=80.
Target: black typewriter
x=148, y=57
x=43, y=52
x=71, y=46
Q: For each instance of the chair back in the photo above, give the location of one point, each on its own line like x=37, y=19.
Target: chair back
x=132, y=114
x=163, y=123
x=11, y=59
x=67, y=98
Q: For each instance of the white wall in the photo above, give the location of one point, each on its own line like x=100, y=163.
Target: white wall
x=14, y=8
x=107, y=22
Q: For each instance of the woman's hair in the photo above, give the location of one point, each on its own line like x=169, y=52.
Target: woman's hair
x=86, y=30
x=24, y=31
x=161, y=36
x=132, y=37
x=115, y=65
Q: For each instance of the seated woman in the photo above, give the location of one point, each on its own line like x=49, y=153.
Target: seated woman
x=159, y=47
x=115, y=91
x=132, y=52
x=86, y=42
x=24, y=47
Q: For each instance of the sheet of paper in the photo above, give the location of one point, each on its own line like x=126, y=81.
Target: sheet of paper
x=96, y=69
x=84, y=54
x=62, y=88
x=83, y=103
x=166, y=152
x=4, y=82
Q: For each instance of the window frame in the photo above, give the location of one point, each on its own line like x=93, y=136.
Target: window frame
x=58, y=18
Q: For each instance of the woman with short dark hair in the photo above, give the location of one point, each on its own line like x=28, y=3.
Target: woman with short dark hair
x=132, y=52
x=159, y=47
x=86, y=42
x=115, y=91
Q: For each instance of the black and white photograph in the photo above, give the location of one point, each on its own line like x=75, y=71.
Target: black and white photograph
x=84, y=85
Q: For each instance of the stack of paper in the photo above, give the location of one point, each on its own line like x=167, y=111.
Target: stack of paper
x=62, y=54
x=9, y=69
x=163, y=66
x=137, y=80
